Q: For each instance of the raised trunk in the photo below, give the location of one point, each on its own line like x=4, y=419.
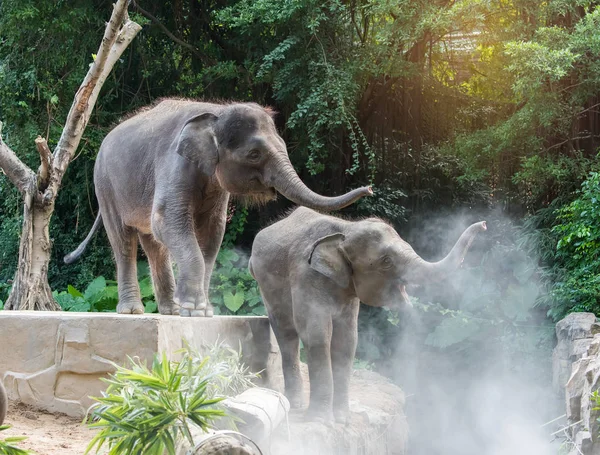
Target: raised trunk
x=30, y=289
x=423, y=271
x=286, y=181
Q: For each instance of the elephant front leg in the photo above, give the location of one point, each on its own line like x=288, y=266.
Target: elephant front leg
x=209, y=234
x=176, y=232
x=289, y=345
x=343, y=348
x=315, y=333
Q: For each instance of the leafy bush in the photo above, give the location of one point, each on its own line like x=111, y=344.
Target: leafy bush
x=577, y=256
x=101, y=295
x=233, y=290
x=147, y=410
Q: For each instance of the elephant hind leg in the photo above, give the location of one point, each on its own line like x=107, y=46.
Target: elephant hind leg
x=162, y=273
x=123, y=240
x=289, y=345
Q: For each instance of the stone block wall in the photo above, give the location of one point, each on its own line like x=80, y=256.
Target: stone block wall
x=54, y=360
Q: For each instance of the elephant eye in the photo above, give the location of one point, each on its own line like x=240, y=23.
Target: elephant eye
x=253, y=155
x=387, y=262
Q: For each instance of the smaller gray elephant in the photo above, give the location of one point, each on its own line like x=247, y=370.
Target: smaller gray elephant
x=313, y=271
x=3, y=402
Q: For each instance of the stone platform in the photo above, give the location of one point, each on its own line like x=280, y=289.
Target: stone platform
x=377, y=424
x=54, y=360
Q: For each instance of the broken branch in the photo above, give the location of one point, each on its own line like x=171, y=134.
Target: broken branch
x=45, y=158
x=17, y=171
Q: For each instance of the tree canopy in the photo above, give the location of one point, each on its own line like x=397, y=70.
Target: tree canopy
x=440, y=105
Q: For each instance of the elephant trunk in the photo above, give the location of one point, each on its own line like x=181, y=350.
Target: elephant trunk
x=423, y=271
x=285, y=180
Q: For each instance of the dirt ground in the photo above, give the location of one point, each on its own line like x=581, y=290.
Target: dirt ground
x=47, y=434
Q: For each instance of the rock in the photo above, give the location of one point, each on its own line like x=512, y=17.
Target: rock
x=377, y=424
x=574, y=336
x=576, y=326
x=54, y=360
x=579, y=344
x=574, y=389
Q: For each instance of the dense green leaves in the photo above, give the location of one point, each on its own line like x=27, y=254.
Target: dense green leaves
x=102, y=295
x=439, y=105
x=147, y=410
x=577, y=257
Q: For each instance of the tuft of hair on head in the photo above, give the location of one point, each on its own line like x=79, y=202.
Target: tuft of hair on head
x=272, y=112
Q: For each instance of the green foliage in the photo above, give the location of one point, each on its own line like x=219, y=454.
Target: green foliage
x=577, y=256
x=148, y=410
x=595, y=400
x=451, y=104
x=542, y=179
x=233, y=290
x=8, y=447
x=101, y=295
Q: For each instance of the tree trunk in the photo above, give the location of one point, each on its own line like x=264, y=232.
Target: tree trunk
x=30, y=289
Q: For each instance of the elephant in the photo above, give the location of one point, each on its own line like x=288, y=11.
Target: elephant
x=313, y=270
x=165, y=176
x=3, y=402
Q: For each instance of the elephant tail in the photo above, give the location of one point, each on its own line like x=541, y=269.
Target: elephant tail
x=74, y=255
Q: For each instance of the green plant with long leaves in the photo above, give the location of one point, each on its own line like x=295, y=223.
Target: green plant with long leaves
x=148, y=410
x=8, y=447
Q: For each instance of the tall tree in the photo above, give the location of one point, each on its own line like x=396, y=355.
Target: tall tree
x=30, y=290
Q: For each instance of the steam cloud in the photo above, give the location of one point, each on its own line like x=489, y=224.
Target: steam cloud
x=493, y=396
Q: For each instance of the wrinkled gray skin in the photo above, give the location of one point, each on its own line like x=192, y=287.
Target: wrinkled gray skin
x=313, y=270
x=3, y=402
x=165, y=176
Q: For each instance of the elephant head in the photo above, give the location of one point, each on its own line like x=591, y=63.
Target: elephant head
x=370, y=256
x=240, y=146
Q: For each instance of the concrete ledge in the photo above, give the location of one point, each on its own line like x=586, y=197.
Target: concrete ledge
x=54, y=360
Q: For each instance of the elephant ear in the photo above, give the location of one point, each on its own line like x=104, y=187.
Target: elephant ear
x=197, y=142
x=328, y=258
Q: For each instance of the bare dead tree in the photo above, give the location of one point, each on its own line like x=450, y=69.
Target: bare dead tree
x=30, y=290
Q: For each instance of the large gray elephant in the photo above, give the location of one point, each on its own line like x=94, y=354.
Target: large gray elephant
x=313, y=270
x=164, y=176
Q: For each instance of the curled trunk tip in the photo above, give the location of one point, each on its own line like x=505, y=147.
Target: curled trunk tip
x=424, y=271
x=285, y=180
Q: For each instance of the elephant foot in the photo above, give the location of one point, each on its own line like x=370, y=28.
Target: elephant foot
x=130, y=307
x=296, y=401
x=341, y=416
x=168, y=308
x=203, y=309
x=319, y=416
